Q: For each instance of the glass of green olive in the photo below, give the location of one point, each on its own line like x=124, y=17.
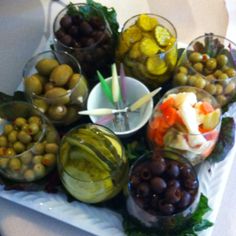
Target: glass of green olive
x=54, y=83
x=28, y=142
x=92, y=163
x=208, y=63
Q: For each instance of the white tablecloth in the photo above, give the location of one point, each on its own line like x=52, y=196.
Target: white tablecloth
x=24, y=31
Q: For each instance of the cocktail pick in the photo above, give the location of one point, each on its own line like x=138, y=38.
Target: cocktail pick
x=133, y=107
x=105, y=87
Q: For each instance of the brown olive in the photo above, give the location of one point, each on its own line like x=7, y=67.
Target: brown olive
x=66, y=21
x=185, y=200
x=157, y=166
x=143, y=189
x=173, y=195
x=166, y=208
x=172, y=169
x=158, y=185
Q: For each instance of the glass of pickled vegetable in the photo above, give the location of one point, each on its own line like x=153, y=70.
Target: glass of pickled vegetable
x=53, y=83
x=209, y=63
x=186, y=120
x=83, y=31
x=148, y=49
x=163, y=191
x=92, y=164
x=29, y=143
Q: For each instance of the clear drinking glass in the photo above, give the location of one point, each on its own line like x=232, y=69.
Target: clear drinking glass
x=208, y=63
x=92, y=164
x=148, y=49
x=28, y=142
x=53, y=83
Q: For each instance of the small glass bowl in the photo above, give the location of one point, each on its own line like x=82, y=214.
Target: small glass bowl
x=186, y=120
x=92, y=163
x=208, y=63
x=89, y=39
x=28, y=142
x=163, y=190
x=53, y=83
x=148, y=49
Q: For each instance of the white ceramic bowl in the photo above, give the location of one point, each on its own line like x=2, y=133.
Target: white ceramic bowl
x=135, y=90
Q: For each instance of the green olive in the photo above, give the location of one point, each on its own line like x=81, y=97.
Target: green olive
x=24, y=137
x=183, y=69
x=222, y=60
x=51, y=135
x=74, y=80
x=221, y=99
x=80, y=92
x=39, y=170
x=61, y=74
x=57, y=112
x=3, y=141
x=219, y=89
x=210, y=77
x=3, y=162
x=191, y=80
x=20, y=121
x=26, y=157
x=45, y=66
x=195, y=57
x=48, y=86
x=180, y=79
x=7, y=128
x=14, y=164
x=198, y=67
x=43, y=79
x=12, y=136
x=230, y=72
x=217, y=73
x=19, y=147
x=223, y=76
x=51, y=148
x=206, y=71
x=34, y=128
x=211, y=64
x=71, y=116
x=10, y=152
x=200, y=82
x=37, y=159
x=37, y=136
x=57, y=96
x=49, y=159
x=210, y=88
x=33, y=85
x=35, y=119
x=40, y=104
x=29, y=175
x=230, y=88
x=39, y=148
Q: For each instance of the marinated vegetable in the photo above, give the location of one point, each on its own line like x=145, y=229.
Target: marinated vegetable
x=147, y=48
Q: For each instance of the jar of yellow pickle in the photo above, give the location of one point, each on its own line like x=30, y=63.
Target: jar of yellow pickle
x=148, y=49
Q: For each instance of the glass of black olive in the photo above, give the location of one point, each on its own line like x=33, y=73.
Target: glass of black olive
x=83, y=31
x=163, y=190
x=209, y=63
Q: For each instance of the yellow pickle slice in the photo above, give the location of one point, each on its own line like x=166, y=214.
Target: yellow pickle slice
x=162, y=36
x=148, y=47
x=146, y=22
x=132, y=34
x=156, y=66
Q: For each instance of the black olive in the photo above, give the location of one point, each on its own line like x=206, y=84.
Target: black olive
x=77, y=19
x=59, y=34
x=172, y=169
x=73, y=31
x=66, y=39
x=173, y=183
x=66, y=21
x=158, y=185
x=143, y=189
x=85, y=28
x=173, y=195
x=166, y=208
x=185, y=200
x=158, y=166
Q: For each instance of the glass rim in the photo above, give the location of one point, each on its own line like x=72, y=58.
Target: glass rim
x=201, y=91
x=147, y=156
x=44, y=126
x=53, y=52
x=158, y=16
x=89, y=125
x=56, y=40
x=187, y=50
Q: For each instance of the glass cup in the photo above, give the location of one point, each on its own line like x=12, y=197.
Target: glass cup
x=92, y=163
x=148, y=49
x=88, y=38
x=186, y=120
x=53, y=83
x=28, y=142
x=208, y=63
x=163, y=190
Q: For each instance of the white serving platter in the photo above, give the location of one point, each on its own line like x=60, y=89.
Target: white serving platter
x=105, y=222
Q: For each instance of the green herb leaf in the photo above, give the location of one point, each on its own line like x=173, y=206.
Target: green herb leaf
x=72, y=10
x=226, y=140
